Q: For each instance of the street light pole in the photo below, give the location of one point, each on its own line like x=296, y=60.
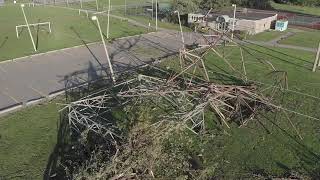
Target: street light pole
x=108, y=24
x=182, y=37
x=152, y=5
x=125, y=7
x=156, y=15
x=25, y=18
x=95, y=18
x=234, y=19
x=97, y=6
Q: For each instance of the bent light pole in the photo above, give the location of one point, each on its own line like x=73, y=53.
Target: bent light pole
x=25, y=18
x=95, y=18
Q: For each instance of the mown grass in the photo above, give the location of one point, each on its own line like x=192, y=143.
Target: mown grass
x=266, y=36
x=309, y=38
x=296, y=9
x=27, y=139
x=134, y=11
x=269, y=145
x=68, y=29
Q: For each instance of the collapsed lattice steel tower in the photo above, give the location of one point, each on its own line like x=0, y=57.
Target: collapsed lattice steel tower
x=185, y=95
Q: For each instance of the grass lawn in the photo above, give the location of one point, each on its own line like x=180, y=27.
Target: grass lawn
x=266, y=36
x=27, y=139
x=119, y=10
x=272, y=146
x=297, y=9
x=309, y=38
x=68, y=29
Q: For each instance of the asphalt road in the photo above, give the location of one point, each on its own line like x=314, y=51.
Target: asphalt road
x=32, y=78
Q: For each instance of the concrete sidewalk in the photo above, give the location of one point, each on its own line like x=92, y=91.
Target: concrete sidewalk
x=36, y=77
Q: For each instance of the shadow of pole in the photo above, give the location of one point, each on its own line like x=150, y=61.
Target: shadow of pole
x=4, y=42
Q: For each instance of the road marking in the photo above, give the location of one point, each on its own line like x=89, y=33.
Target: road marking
x=55, y=82
x=2, y=69
x=7, y=94
x=38, y=91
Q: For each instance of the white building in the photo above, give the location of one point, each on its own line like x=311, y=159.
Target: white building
x=249, y=20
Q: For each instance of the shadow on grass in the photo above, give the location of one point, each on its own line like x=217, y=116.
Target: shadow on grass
x=4, y=42
x=309, y=160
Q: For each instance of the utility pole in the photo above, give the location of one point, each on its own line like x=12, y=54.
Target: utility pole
x=95, y=18
x=234, y=19
x=317, y=60
x=25, y=18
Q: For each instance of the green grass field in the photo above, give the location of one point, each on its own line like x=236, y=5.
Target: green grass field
x=297, y=9
x=27, y=138
x=302, y=37
x=68, y=29
x=271, y=147
x=266, y=36
x=308, y=38
x=132, y=13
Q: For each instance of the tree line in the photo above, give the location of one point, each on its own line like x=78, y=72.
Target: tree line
x=186, y=6
x=305, y=2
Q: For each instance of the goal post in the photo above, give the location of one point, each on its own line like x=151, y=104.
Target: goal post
x=33, y=25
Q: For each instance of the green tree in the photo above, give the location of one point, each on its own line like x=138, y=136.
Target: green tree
x=208, y=4
x=186, y=6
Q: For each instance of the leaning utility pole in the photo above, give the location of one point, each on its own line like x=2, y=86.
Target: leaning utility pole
x=317, y=60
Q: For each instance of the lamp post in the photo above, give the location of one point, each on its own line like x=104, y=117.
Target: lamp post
x=108, y=23
x=95, y=18
x=97, y=6
x=25, y=18
x=182, y=37
x=156, y=15
x=234, y=19
x=125, y=7
x=152, y=5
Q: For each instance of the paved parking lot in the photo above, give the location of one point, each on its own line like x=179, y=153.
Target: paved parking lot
x=32, y=78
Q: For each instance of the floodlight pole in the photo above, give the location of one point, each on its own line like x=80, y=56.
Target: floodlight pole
x=182, y=37
x=152, y=5
x=95, y=18
x=125, y=7
x=108, y=24
x=234, y=19
x=156, y=15
x=25, y=18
